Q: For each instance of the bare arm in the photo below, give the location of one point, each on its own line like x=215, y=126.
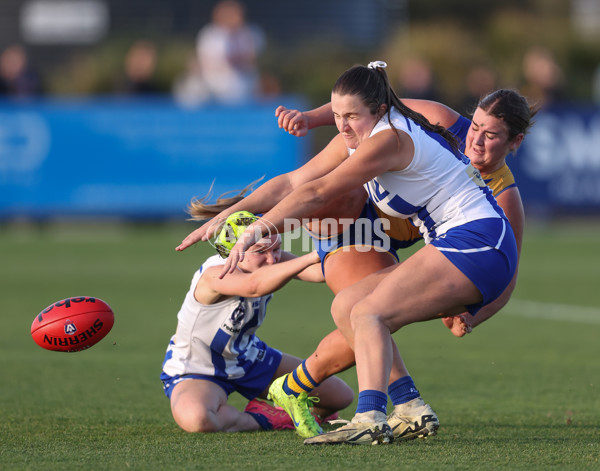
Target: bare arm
x=387, y=150
x=312, y=273
x=258, y=201
x=270, y=193
x=510, y=201
x=267, y=279
x=436, y=113
x=298, y=123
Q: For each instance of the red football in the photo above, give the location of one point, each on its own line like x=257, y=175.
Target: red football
x=72, y=324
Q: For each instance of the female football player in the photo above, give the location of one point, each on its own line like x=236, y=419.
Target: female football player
x=215, y=350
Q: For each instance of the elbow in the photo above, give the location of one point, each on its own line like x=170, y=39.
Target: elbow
x=255, y=288
x=314, y=195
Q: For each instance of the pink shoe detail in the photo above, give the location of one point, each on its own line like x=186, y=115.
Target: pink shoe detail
x=276, y=416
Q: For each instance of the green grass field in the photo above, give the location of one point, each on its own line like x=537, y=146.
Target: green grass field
x=521, y=392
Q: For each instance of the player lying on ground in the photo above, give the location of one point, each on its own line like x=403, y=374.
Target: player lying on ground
x=215, y=350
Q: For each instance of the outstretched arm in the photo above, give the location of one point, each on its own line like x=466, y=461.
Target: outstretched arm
x=271, y=192
x=465, y=322
x=386, y=150
x=312, y=273
x=260, y=200
x=436, y=113
x=267, y=279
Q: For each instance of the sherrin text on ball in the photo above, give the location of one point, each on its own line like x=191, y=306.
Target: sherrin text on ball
x=72, y=324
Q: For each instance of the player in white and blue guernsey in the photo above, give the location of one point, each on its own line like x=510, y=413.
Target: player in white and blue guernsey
x=411, y=169
x=218, y=340
x=215, y=350
x=440, y=190
x=499, y=124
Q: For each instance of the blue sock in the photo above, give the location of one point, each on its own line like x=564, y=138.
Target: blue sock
x=403, y=390
x=262, y=420
x=371, y=399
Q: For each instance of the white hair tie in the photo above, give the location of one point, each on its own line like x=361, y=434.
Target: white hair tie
x=377, y=65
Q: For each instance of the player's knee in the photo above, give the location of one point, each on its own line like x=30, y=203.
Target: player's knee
x=341, y=308
x=197, y=422
x=345, y=396
x=364, y=312
x=335, y=394
x=369, y=312
x=359, y=312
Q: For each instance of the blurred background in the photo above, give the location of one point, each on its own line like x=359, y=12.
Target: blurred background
x=129, y=108
x=115, y=113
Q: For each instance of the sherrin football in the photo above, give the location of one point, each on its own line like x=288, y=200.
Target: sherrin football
x=72, y=324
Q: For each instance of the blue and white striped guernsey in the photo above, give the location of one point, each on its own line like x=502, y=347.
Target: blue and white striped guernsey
x=218, y=339
x=438, y=190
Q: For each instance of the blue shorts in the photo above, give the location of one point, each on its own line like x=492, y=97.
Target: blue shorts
x=251, y=385
x=486, y=252
x=367, y=231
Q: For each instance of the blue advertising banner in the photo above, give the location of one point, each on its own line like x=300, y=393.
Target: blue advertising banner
x=108, y=157
x=557, y=167
x=147, y=159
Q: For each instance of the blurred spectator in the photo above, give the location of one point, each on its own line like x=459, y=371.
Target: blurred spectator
x=228, y=49
x=544, y=80
x=139, y=70
x=189, y=88
x=415, y=80
x=480, y=81
x=17, y=77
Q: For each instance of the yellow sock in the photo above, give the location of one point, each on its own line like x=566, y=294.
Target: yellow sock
x=299, y=381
